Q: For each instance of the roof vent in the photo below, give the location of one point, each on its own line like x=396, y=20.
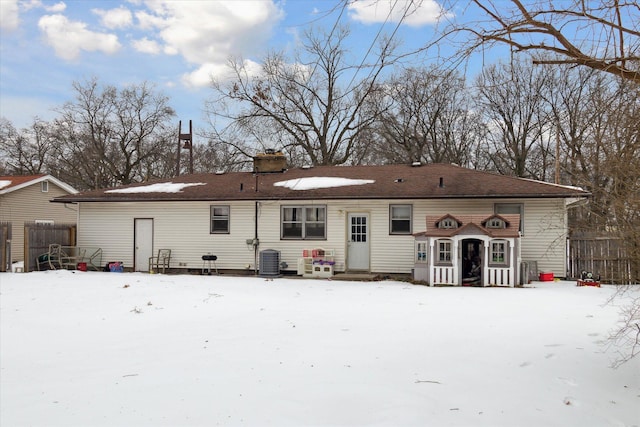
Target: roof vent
x=219, y=172
x=416, y=164
x=441, y=185
x=398, y=180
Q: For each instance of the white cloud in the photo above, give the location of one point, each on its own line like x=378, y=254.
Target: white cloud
x=147, y=21
x=203, y=75
x=68, y=38
x=56, y=8
x=209, y=32
x=9, y=16
x=28, y=5
x=418, y=13
x=115, y=18
x=145, y=45
x=34, y=4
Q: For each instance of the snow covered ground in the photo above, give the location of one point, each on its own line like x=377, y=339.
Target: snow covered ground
x=131, y=349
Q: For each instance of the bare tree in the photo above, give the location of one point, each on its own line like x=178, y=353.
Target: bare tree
x=108, y=137
x=602, y=35
x=310, y=105
x=26, y=151
x=424, y=115
x=512, y=99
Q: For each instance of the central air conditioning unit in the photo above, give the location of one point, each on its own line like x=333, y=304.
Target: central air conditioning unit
x=269, y=263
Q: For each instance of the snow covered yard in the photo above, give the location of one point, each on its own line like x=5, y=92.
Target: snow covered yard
x=109, y=349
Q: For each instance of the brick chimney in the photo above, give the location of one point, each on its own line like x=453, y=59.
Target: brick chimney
x=270, y=161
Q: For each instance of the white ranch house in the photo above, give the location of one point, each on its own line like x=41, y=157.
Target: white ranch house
x=362, y=218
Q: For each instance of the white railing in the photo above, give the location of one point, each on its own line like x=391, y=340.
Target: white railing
x=500, y=277
x=443, y=276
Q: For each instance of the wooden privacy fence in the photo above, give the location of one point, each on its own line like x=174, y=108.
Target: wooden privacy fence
x=5, y=246
x=604, y=256
x=38, y=237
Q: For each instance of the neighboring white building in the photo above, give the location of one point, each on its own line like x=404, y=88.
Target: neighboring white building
x=27, y=199
x=365, y=216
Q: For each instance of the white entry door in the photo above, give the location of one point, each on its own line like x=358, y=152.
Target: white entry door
x=143, y=243
x=358, y=241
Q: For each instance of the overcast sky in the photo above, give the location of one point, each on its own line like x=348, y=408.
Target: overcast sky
x=176, y=45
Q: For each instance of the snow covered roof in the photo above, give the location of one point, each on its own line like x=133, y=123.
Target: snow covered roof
x=161, y=187
x=315, y=182
x=433, y=181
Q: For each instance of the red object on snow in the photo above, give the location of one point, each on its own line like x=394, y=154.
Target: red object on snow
x=546, y=277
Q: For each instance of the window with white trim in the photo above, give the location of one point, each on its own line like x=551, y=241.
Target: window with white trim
x=44, y=186
x=421, y=252
x=444, y=252
x=498, y=253
x=400, y=219
x=303, y=222
x=220, y=215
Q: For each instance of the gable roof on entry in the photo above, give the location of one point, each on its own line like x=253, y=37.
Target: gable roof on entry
x=432, y=181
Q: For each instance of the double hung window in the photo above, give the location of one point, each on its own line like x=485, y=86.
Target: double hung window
x=400, y=219
x=303, y=222
x=219, y=219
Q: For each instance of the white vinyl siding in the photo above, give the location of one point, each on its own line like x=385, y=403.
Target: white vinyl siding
x=184, y=228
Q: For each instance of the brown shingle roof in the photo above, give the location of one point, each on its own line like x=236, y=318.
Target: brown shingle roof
x=18, y=180
x=476, y=222
x=390, y=182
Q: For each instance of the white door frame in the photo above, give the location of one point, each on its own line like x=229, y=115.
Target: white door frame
x=142, y=243
x=358, y=242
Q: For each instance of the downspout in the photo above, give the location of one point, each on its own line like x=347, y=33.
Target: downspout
x=255, y=239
